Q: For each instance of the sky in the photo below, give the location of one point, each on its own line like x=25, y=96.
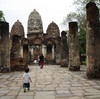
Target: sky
x=50, y=10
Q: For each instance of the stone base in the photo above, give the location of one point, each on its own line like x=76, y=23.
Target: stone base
x=18, y=64
x=74, y=68
x=93, y=75
x=64, y=63
x=4, y=69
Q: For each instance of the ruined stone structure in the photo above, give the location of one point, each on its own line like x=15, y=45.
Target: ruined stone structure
x=16, y=37
x=23, y=51
x=39, y=42
x=74, y=57
x=35, y=35
x=16, y=51
x=4, y=46
x=93, y=41
x=53, y=43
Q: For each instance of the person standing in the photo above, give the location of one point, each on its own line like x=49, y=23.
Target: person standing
x=41, y=61
x=26, y=80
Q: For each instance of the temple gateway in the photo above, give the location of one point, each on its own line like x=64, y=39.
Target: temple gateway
x=40, y=42
x=25, y=50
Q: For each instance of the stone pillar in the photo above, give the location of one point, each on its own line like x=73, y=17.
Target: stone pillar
x=44, y=50
x=15, y=50
x=58, y=50
x=25, y=50
x=64, y=50
x=31, y=50
x=93, y=41
x=49, y=53
x=25, y=53
x=52, y=52
x=74, y=57
x=21, y=51
x=4, y=46
x=15, y=57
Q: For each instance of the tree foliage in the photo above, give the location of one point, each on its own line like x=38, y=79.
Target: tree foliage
x=2, y=18
x=80, y=16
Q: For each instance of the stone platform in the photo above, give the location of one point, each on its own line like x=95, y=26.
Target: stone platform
x=51, y=82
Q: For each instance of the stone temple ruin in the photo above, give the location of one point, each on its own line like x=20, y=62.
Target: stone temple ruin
x=23, y=51
x=16, y=51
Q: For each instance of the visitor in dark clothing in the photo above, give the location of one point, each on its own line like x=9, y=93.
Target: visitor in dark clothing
x=41, y=60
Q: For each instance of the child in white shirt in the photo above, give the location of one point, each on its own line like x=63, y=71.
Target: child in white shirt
x=26, y=80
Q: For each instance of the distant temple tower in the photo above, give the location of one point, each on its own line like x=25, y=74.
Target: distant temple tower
x=48, y=44
x=53, y=30
x=35, y=23
x=34, y=35
x=17, y=29
x=53, y=43
x=17, y=34
x=37, y=42
x=16, y=55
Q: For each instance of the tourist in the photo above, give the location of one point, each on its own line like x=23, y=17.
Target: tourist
x=26, y=80
x=41, y=61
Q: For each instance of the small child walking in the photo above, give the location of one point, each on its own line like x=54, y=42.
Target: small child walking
x=26, y=80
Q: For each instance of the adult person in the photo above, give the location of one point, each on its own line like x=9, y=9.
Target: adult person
x=41, y=61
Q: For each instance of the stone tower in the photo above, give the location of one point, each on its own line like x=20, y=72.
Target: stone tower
x=34, y=23
x=53, y=42
x=34, y=35
x=53, y=30
x=17, y=34
x=17, y=29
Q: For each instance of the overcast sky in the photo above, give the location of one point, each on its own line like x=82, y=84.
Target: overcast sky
x=50, y=10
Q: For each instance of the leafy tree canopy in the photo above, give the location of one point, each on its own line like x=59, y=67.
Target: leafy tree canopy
x=2, y=18
x=80, y=16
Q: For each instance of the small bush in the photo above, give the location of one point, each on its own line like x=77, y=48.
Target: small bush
x=83, y=62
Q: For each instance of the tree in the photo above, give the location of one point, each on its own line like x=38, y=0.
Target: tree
x=80, y=16
x=2, y=18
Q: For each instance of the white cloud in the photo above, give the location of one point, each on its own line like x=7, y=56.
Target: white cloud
x=50, y=10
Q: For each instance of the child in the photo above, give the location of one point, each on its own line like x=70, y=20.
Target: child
x=26, y=80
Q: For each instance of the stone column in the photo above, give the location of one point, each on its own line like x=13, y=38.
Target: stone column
x=31, y=50
x=25, y=50
x=21, y=51
x=4, y=46
x=15, y=50
x=93, y=41
x=58, y=50
x=52, y=52
x=64, y=49
x=44, y=50
x=25, y=53
x=74, y=57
